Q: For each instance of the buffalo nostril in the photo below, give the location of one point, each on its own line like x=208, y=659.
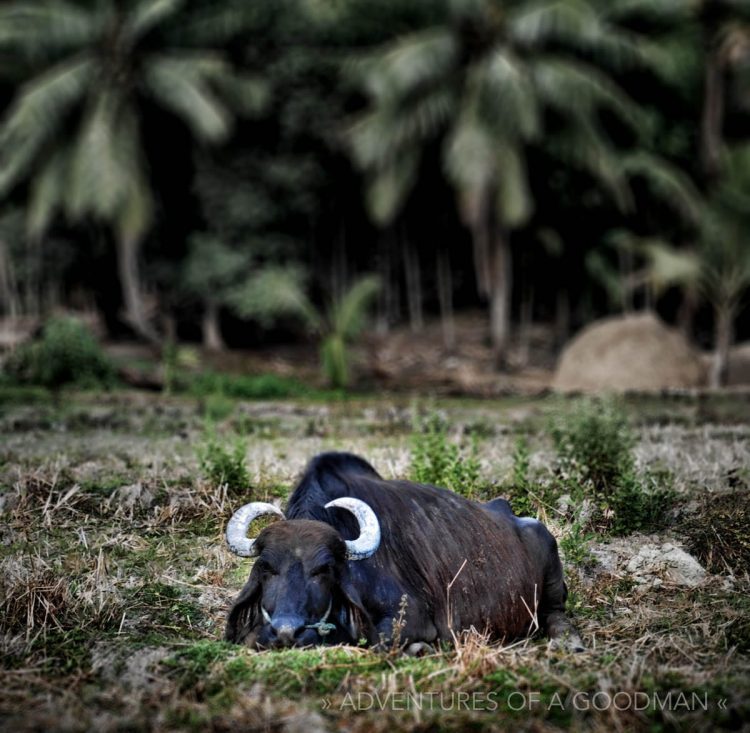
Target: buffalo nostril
x=287, y=630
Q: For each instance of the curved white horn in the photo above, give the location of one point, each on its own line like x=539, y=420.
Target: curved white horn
x=237, y=538
x=369, y=528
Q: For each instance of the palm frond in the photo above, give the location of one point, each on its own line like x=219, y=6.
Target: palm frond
x=584, y=147
x=348, y=315
x=273, y=292
x=408, y=65
x=672, y=185
x=577, y=90
x=469, y=155
x=577, y=23
x=514, y=202
x=669, y=266
x=246, y=95
x=665, y=11
x=36, y=114
x=215, y=24
x=390, y=185
x=47, y=193
x=98, y=179
x=507, y=96
x=147, y=15
x=42, y=29
x=135, y=213
x=179, y=83
x=388, y=131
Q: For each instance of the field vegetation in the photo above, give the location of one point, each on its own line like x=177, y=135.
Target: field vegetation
x=114, y=577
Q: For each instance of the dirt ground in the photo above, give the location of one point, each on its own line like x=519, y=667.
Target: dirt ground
x=115, y=580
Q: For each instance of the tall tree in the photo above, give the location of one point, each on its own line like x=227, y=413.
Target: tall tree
x=485, y=84
x=76, y=128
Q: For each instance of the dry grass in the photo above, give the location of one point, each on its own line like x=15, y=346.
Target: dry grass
x=114, y=583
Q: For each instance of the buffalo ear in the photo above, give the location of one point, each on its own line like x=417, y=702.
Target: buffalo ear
x=359, y=619
x=243, y=615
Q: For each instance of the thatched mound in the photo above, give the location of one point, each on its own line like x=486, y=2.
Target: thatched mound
x=628, y=353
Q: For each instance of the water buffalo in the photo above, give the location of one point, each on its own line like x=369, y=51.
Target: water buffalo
x=356, y=552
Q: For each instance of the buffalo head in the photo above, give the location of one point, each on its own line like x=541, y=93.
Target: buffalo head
x=299, y=591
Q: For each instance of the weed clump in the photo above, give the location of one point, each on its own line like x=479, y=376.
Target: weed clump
x=434, y=460
x=596, y=465
x=246, y=386
x=223, y=464
x=718, y=533
x=67, y=353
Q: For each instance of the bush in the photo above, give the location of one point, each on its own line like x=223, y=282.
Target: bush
x=248, y=387
x=595, y=443
x=436, y=461
x=594, y=447
x=222, y=464
x=66, y=353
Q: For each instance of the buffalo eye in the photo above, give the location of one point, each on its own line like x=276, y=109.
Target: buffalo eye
x=266, y=568
x=320, y=571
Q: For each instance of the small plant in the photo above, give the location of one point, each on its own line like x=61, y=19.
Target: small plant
x=222, y=464
x=66, y=353
x=574, y=544
x=217, y=407
x=436, y=461
x=595, y=443
x=519, y=494
x=247, y=386
x=595, y=458
x=279, y=292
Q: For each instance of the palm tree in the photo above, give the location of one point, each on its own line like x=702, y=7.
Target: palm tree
x=726, y=30
x=74, y=129
x=274, y=292
x=486, y=84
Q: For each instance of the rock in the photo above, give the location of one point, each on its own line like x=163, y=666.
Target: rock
x=656, y=563
x=636, y=352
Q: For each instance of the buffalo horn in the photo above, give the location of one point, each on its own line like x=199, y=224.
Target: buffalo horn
x=237, y=539
x=369, y=528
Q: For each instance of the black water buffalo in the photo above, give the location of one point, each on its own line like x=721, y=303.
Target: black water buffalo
x=355, y=552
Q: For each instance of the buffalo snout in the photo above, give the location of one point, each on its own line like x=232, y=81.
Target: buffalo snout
x=287, y=629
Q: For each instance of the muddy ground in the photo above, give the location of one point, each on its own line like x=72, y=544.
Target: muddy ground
x=114, y=578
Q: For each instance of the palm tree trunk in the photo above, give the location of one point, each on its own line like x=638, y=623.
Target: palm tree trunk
x=713, y=114
x=212, y=340
x=445, y=297
x=500, y=281
x=524, y=327
x=413, y=286
x=387, y=307
x=130, y=282
x=562, y=316
x=8, y=290
x=724, y=315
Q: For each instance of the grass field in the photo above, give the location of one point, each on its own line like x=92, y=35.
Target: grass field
x=114, y=578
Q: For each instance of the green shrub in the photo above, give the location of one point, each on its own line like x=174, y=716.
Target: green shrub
x=436, y=461
x=594, y=447
x=223, y=464
x=66, y=353
x=247, y=386
x=217, y=407
x=595, y=442
x=519, y=493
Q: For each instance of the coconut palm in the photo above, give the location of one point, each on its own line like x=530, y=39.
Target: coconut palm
x=74, y=129
x=491, y=80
